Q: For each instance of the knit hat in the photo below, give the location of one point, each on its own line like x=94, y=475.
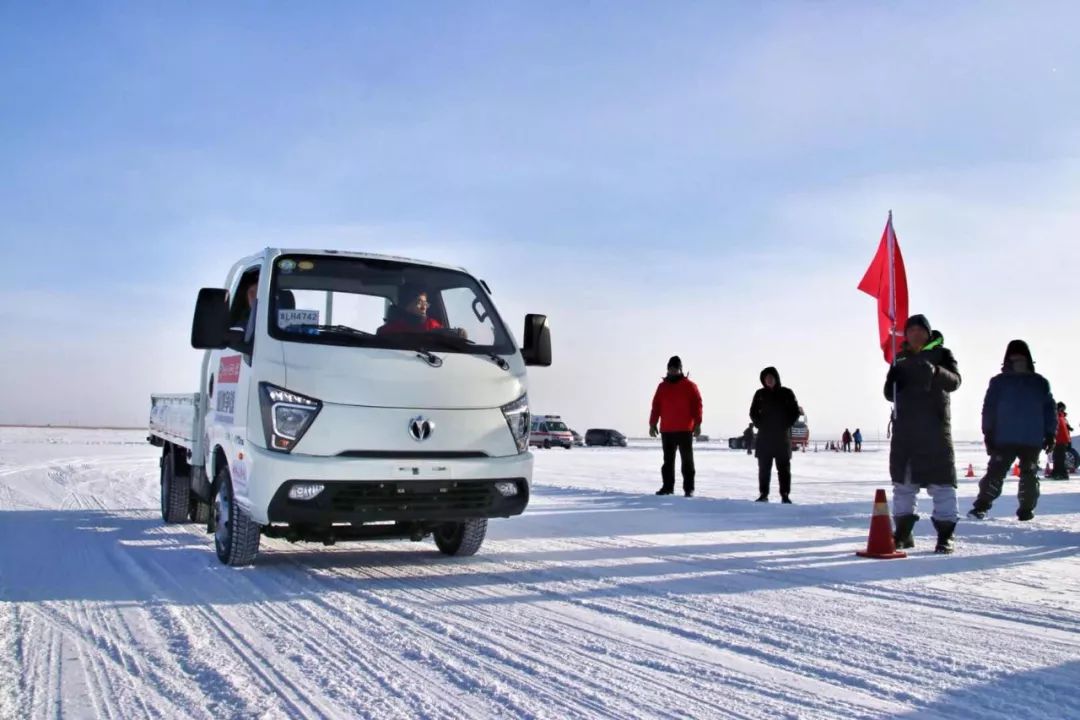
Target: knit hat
x=917, y=321
x=675, y=362
x=1061, y=406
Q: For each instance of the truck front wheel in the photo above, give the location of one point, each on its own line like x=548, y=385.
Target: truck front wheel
x=175, y=491
x=236, y=536
x=461, y=539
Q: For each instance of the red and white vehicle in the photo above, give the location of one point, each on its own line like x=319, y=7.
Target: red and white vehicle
x=550, y=431
x=800, y=432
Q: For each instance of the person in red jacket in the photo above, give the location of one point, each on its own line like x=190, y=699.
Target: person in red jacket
x=410, y=314
x=1062, y=441
x=676, y=406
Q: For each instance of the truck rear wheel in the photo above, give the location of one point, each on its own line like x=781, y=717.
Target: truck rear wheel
x=461, y=539
x=236, y=536
x=175, y=491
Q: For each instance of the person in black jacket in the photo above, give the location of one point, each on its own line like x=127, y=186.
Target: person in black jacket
x=922, y=455
x=748, y=439
x=773, y=411
x=1019, y=420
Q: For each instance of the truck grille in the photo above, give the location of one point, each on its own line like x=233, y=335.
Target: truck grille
x=379, y=498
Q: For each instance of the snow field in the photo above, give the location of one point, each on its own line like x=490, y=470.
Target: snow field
x=602, y=601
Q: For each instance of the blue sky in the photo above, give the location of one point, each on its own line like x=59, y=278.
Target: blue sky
x=705, y=179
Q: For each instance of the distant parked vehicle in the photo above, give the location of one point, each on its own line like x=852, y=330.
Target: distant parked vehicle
x=578, y=440
x=550, y=431
x=1072, y=456
x=800, y=432
x=739, y=443
x=602, y=437
x=702, y=438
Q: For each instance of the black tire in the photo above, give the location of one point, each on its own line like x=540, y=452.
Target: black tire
x=461, y=539
x=547, y=444
x=1072, y=459
x=236, y=536
x=175, y=492
x=199, y=512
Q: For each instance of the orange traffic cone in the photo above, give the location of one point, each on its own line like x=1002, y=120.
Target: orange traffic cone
x=971, y=471
x=880, y=545
x=1016, y=470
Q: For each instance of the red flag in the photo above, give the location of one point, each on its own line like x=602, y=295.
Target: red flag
x=886, y=280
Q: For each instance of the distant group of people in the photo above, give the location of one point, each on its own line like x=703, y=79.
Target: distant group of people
x=1019, y=420
x=848, y=438
x=846, y=441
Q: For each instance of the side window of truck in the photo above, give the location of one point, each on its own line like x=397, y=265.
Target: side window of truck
x=465, y=311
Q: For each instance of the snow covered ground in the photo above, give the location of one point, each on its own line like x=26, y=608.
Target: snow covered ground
x=603, y=601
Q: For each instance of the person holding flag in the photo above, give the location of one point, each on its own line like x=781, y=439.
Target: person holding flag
x=921, y=377
x=921, y=454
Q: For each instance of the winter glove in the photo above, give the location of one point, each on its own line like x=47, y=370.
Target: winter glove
x=653, y=432
x=895, y=377
x=697, y=430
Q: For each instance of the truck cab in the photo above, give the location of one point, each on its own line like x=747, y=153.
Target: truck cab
x=350, y=396
x=550, y=431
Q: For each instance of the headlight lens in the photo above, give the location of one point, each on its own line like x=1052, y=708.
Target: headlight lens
x=517, y=417
x=286, y=416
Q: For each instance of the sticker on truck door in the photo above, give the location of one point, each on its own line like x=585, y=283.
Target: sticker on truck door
x=225, y=392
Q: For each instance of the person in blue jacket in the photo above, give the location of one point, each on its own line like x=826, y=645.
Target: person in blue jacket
x=1019, y=420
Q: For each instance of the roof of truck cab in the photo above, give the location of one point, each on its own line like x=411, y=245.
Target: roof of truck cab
x=361, y=256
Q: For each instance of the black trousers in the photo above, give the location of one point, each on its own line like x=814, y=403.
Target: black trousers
x=1001, y=463
x=783, y=469
x=1061, y=471
x=683, y=443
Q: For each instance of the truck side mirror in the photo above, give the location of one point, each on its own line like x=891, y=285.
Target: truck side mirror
x=537, y=350
x=210, y=325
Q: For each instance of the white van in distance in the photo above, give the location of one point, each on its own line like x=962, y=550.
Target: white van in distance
x=550, y=431
x=349, y=396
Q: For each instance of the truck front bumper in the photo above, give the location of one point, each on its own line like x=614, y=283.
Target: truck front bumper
x=361, y=491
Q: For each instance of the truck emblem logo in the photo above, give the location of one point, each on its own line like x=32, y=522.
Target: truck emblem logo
x=420, y=428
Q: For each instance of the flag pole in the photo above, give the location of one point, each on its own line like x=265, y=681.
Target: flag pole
x=892, y=301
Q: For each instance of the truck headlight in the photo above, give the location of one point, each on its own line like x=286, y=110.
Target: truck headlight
x=286, y=416
x=517, y=417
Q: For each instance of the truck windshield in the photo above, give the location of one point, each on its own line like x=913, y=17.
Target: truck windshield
x=382, y=303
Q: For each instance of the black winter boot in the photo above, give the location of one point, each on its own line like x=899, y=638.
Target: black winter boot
x=904, y=525
x=945, y=532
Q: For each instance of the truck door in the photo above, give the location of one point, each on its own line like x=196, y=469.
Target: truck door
x=229, y=377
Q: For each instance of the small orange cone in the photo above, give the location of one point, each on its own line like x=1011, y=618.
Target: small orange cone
x=1016, y=470
x=971, y=471
x=880, y=545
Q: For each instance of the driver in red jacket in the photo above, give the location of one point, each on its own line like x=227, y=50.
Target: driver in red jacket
x=676, y=406
x=410, y=314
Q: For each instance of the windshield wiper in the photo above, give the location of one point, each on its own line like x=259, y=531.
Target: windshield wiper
x=343, y=329
x=458, y=342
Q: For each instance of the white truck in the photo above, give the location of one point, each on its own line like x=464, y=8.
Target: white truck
x=349, y=396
